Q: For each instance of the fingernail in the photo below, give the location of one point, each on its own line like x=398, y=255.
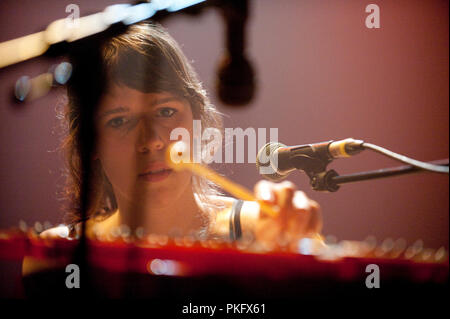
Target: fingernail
x=265, y=194
x=300, y=201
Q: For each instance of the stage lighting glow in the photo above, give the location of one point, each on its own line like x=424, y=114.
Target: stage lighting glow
x=139, y=12
x=181, y=4
x=115, y=13
x=63, y=72
x=22, y=88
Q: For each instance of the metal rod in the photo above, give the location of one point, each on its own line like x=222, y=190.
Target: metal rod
x=382, y=173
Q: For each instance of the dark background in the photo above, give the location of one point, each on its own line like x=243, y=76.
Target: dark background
x=321, y=75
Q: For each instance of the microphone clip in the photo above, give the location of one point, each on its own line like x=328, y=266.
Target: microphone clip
x=324, y=181
x=320, y=178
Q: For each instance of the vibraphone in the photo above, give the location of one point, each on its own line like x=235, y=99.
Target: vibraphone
x=162, y=268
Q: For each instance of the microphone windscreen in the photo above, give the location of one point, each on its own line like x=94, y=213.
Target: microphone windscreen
x=264, y=162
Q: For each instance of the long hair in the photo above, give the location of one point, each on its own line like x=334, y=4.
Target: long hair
x=148, y=59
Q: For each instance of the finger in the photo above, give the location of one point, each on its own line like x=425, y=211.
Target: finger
x=301, y=201
x=299, y=221
x=264, y=191
x=315, y=222
x=285, y=192
x=307, y=223
x=306, y=218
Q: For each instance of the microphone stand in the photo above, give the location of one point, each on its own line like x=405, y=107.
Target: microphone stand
x=330, y=181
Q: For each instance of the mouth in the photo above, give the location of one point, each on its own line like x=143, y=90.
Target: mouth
x=155, y=175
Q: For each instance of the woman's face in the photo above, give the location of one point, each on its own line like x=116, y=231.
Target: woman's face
x=133, y=135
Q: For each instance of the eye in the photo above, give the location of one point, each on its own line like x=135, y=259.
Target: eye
x=166, y=112
x=117, y=122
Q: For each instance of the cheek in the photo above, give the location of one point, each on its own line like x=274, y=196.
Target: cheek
x=116, y=158
x=185, y=123
x=111, y=148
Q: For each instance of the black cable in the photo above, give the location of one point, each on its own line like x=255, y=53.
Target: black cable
x=422, y=165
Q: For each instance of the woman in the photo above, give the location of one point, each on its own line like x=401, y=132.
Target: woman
x=150, y=90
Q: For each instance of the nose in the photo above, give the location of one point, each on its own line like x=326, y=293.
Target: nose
x=149, y=140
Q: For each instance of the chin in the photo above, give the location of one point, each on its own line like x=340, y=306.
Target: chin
x=161, y=199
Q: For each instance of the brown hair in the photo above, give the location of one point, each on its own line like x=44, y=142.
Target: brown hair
x=148, y=59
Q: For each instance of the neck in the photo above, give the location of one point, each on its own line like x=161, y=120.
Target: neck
x=179, y=216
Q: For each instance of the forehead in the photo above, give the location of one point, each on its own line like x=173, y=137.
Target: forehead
x=125, y=96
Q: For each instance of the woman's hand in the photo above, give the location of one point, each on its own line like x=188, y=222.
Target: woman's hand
x=298, y=215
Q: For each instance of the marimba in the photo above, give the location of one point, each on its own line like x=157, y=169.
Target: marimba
x=162, y=268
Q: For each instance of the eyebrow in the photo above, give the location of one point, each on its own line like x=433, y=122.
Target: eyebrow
x=164, y=100
x=121, y=109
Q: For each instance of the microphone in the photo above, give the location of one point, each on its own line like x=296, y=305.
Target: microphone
x=275, y=160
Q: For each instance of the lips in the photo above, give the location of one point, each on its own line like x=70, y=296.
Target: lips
x=155, y=172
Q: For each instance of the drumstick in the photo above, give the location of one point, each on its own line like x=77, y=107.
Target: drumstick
x=178, y=150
